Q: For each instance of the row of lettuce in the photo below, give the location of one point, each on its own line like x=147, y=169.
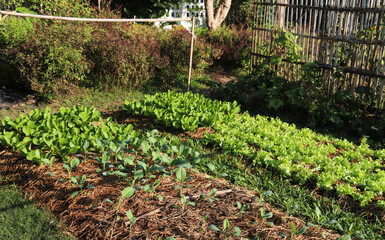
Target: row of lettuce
x=301, y=154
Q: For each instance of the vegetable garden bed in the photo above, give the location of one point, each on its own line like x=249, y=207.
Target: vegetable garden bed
x=108, y=181
x=303, y=155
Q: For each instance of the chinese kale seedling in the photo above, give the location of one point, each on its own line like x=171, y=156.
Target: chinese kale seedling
x=104, y=160
x=70, y=166
x=181, y=176
x=226, y=229
x=242, y=208
x=295, y=232
x=265, y=216
x=49, y=161
x=126, y=193
x=80, y=183
x=131, y=218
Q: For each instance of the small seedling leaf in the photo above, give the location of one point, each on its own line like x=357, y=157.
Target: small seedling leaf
x=214, y=228
x=211, y=166
x=268, y=193
x=74, y=180
x=345, y=237
x=74, y=162
x=309, y=224
x=128, y=192
x=180, y=173
x=138, y=174
x=160, y=197
x=238, y=231
x=226, y=224
x=300, y=231
x=74, y=194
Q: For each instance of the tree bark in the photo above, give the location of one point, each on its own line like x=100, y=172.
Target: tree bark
x=215, y=17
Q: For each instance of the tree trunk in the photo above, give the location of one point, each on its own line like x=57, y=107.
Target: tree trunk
x=215, y=17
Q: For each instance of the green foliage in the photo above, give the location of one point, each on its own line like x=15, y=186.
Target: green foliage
x=184, y=110
x=62, y=8
x=53, y=57
x=303, y=155
x=15, y=30
x=228, y=46
x=351, y=115
x=62, y=134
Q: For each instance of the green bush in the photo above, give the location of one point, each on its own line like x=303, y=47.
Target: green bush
x=53, y=56
x=50, y=59
x=62, y=8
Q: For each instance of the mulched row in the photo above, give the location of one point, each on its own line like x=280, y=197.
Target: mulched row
x=90, y=216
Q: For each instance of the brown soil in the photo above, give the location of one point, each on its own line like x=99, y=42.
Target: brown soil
x=90, y=216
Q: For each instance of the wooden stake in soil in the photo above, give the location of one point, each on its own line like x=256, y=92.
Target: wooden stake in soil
x=191, y=53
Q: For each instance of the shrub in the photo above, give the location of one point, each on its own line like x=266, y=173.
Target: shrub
x=175, y=53
x=124, y=55
x=230, y=46
x=63, y=8
x=54, y=56
x=51, y=58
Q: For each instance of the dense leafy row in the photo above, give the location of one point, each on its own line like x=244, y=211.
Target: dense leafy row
x=184, y=110
x=79, y=134
x=301, y=154
x=67, y=132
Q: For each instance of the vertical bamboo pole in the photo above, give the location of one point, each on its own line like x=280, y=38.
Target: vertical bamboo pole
x=191, y=52
x=253, y=37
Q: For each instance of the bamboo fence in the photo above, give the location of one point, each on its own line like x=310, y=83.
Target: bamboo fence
x=345, y=38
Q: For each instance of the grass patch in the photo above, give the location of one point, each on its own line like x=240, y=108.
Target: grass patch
x=20, y=219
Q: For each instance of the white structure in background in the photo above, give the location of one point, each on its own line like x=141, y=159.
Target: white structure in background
x=197, y=8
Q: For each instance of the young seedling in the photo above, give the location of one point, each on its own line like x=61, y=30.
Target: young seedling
x=104, y=160
x=80, y=183
x=151, y=189
x=265, y=216
x=131, y=218
x=242, y=207
x=295, y=232
x=126, y=193
x=181, y=176
x=202, y=229
x=184, y=202
x=49, y=161
x=144, y=168
x=117, y=148
x=226, y=229
x=70, y=166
